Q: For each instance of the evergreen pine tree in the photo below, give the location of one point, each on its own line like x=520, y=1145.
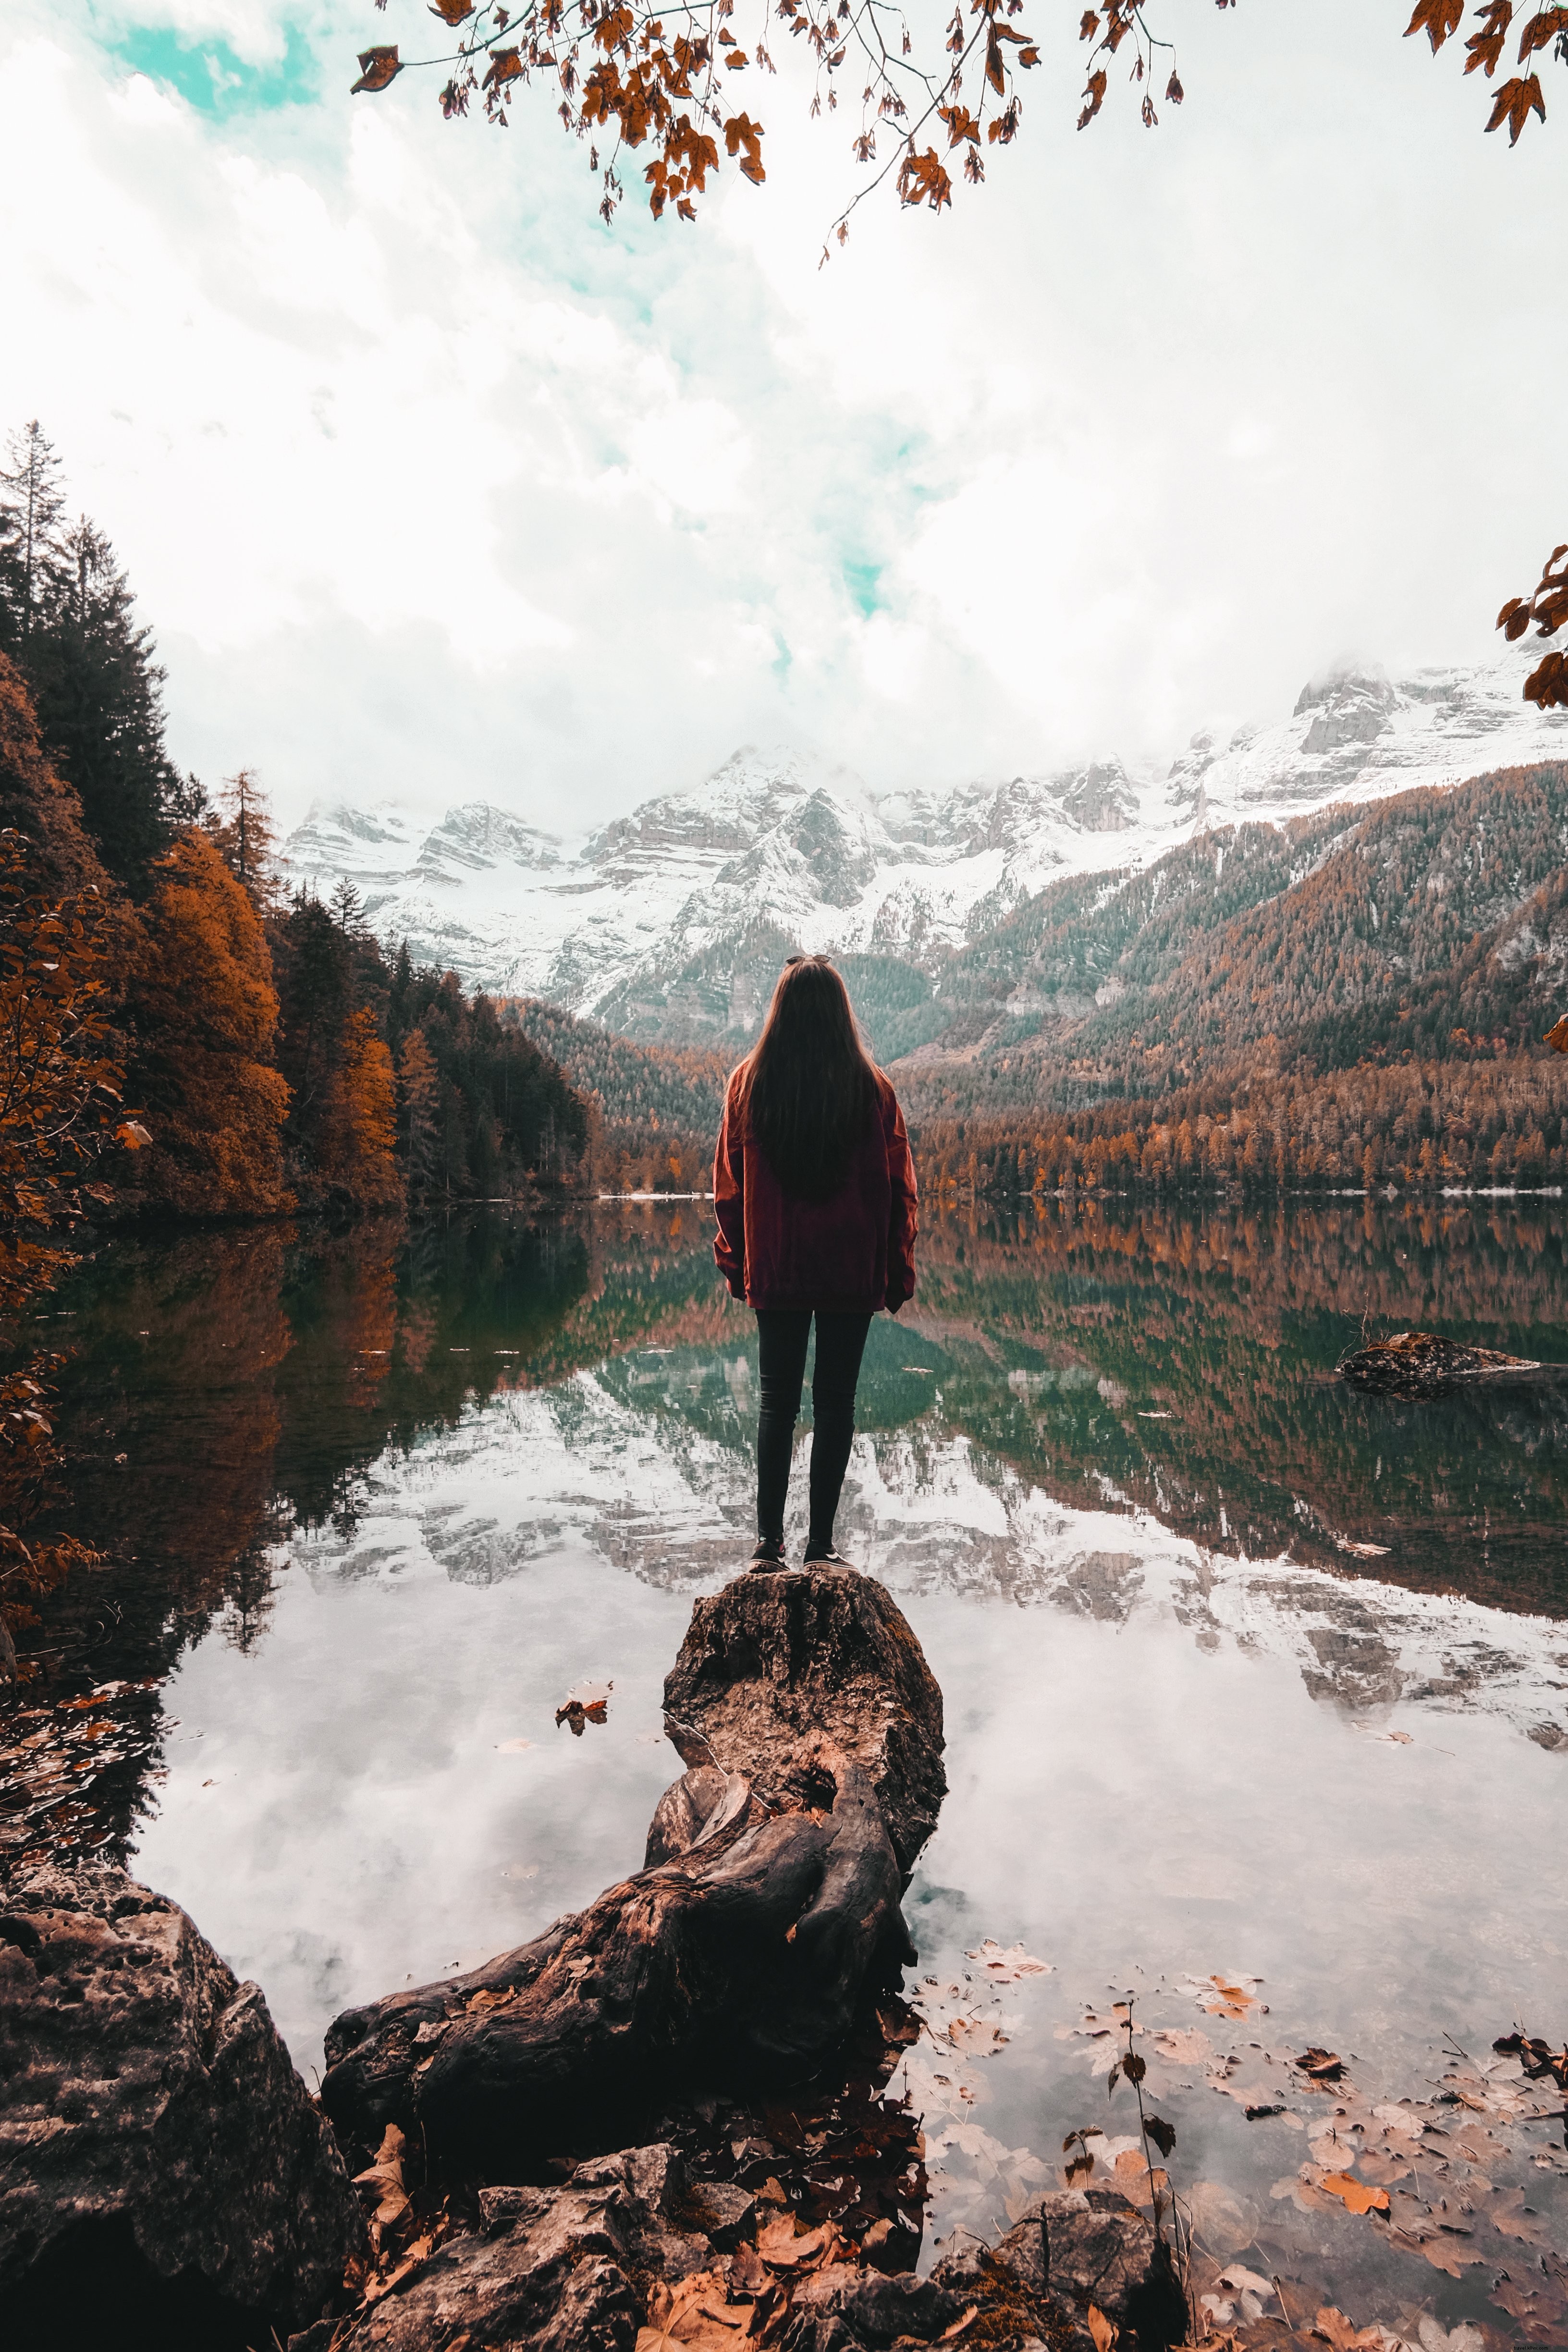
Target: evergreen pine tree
x=100, y=698
x=32, y=502
x=418, y=1108
x=242, y=828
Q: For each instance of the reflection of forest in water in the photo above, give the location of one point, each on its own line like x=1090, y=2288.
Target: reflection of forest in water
x=1228, y=1322
x=1171, y=1359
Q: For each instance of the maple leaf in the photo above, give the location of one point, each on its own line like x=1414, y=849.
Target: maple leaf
x=1514, y=104
x=452, y=12
x=1543, y=27
x=1437, y=20
x=1486, y=47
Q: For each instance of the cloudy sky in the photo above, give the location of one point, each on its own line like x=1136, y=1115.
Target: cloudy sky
x=436, y=488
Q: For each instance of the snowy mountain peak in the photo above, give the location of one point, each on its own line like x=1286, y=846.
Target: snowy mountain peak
x=668, y=922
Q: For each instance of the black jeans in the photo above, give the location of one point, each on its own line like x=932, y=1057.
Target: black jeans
x=781, y=1335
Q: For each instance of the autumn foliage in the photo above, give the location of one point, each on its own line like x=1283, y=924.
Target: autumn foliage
x=203, y=1015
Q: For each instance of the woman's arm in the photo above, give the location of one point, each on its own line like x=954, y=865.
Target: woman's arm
x=730, y=1197
x=903, y=1219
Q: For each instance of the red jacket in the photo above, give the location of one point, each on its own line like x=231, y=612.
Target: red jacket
x=850, y=1255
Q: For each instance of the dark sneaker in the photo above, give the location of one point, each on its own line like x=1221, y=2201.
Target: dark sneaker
x=819, y=1555
x=769, y=1554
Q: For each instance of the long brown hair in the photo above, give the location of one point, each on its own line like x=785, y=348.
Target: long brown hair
x=810, y=1084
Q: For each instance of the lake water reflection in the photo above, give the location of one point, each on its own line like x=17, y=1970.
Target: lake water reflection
x=384, y=1503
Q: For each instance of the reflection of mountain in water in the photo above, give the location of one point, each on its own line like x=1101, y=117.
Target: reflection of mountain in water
x=1111, y=1417
x=593, y=1464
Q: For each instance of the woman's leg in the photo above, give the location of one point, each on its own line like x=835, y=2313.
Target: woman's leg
x=781, y=1335
x=840, y=1344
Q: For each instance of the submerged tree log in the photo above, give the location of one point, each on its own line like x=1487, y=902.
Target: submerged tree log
x=1419, y=1364
x=767, y=1908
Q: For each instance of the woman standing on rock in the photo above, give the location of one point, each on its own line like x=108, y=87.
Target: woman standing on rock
x=814, y=1191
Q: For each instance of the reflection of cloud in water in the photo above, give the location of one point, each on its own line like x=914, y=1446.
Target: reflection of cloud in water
x=532, y=1474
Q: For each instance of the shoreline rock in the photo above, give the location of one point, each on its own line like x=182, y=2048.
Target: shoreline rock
x=151, y=2115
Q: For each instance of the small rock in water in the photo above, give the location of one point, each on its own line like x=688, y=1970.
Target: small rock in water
x=1420, y=1364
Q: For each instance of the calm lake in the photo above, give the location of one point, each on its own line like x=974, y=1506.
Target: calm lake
x=1256, y=1688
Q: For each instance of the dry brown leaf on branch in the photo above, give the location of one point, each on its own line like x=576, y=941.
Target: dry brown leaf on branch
x=1437, y=19
x=378, y=68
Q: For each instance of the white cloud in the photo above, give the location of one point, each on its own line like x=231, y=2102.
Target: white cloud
x=433, y=486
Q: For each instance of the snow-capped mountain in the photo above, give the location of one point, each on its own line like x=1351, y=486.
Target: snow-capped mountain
x=669, y=923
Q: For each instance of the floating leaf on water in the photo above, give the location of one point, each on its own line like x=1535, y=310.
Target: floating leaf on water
x=1241, y=2281
x=1321, y=2065
x=1227, y=1996
x=1187, y=2045
x=1356, y=2196
x=1006, y=1967
x=975, y=2037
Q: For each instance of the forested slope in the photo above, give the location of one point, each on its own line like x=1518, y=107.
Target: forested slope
x=657, y=1106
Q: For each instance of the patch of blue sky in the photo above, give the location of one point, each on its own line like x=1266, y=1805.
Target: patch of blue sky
x=863, y=580
x=211, y=77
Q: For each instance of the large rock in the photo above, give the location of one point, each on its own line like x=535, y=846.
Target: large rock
x=768, y=1910
x=773, y=1662
x=1419, y=1364
x=151, y=2124
x=878, y=2307
x=1083, y=2246
x=550, y=2270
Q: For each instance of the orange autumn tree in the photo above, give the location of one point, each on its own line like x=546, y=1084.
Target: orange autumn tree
x=359, y=1131
x=59, y=1109
x=204, y=1013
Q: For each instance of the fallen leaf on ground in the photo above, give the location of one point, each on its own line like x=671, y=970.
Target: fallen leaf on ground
x=782, y=2250
x=386, y=2176
x=1100, y=2328
x=1321, y=2065
x=695, y=2314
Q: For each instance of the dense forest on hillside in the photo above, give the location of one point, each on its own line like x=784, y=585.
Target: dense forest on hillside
x=177, y=1040
x=655, y=1109
x=1434, y=923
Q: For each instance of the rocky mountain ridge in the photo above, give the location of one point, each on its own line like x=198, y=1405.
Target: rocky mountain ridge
x=668, y=923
